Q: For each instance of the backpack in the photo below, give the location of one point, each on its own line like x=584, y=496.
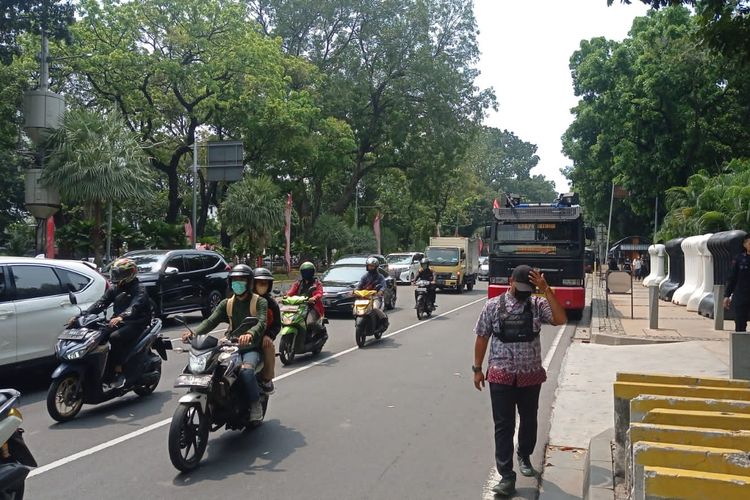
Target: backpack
x=515, y=327
x=230, y=307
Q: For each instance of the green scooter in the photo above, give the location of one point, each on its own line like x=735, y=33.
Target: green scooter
x=294, y=337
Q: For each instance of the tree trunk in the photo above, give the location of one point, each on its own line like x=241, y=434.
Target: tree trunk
x=96, y=237
x=173, y=184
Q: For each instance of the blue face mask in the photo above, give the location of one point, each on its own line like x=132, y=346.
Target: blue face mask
x=239, y=287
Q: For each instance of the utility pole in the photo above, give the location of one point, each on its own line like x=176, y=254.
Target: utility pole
x=194, y=232
x=609, y=226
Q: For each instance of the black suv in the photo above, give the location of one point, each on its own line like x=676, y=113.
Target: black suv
x=182, y=280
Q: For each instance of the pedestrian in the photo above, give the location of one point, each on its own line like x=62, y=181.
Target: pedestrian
x=637, y=267
x=511, y=324
x=737, y=292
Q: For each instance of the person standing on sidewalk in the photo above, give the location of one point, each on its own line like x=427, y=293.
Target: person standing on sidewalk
x=738, y=287
x=637, y=267
x=511, y=322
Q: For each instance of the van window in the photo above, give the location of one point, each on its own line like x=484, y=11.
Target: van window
x=35, y=281
x=193, y=262
x=78, y=281
x=210, y=261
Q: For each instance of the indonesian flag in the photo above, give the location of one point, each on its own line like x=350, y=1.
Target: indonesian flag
x=376, y=228
x=51, y=238
x=495, y=204
x=288, y=232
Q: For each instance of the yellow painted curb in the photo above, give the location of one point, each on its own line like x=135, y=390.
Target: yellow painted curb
x=695, y=436
x=644, y=403
x=710, y=419
x=631, y=390
x=663, y=482
x=663, y=378
x=698, y=458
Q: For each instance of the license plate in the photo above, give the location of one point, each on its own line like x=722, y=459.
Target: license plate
x=72, y=335
x=289, y=309
x=327, y=302
x=421, y=289
x=188, y=380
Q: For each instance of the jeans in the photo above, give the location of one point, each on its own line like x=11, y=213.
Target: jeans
x=250, y=360
x=741, y=310
x=505, y=400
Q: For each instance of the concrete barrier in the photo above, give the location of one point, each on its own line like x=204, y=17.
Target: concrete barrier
x=669, y=379
x=663, y=483
x=693, y=271
x=695, y=436
x=640, y=406
x=693, y=418
x=706, y=284
x=680, y=456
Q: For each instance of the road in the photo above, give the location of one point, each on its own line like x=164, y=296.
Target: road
x=397, y=419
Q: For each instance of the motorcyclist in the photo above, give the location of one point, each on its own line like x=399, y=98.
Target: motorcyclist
x=263, y=287
x=373, y=280
x=309, y=286
x=132, y=313
x=244, y=303
x=425, y=273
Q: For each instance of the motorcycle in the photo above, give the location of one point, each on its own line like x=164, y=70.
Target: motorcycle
x=424, y=306
x=294, y=337
x=83, y=349
x=368, y=320
x=16, y=460
x=214, y=399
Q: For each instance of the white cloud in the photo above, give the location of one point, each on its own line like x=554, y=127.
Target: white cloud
x=526, y=47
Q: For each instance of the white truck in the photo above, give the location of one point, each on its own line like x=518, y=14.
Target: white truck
x=455, y=261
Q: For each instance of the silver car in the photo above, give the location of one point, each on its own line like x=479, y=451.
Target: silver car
x=484, y=269
x=404, y=266
x=34, y=304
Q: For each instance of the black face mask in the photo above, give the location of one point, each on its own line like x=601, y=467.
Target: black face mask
x=521, y=296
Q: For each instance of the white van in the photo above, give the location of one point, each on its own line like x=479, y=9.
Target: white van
x=34, y=304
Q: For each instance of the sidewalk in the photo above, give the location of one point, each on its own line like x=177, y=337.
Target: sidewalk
x=685, y=344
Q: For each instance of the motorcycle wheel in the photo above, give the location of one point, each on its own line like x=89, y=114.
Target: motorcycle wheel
x=360, y=331
x=63, y=403
x=145, y=390
x=420, y=308
x=187, y=438
x=286, y=349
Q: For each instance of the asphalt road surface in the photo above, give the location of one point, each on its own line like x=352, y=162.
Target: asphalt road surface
x=398, y=419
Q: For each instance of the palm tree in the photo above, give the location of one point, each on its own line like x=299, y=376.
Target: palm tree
x=253, y=211
x=95, y=161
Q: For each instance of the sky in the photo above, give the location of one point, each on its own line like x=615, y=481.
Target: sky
x=526, y=47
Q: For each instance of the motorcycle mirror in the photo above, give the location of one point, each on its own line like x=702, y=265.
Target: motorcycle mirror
x=180, y=319
x=250, y=322
x=276, y=291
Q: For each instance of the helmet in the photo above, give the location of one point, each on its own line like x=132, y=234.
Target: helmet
x=425, y=263
x=307, y=270
x=264, y=275
x=372, y=261
x=242, y=271
x=123, y=271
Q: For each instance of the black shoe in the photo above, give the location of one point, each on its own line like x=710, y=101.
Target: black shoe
x=506, y=487
x=267, y=387
x=525, y=467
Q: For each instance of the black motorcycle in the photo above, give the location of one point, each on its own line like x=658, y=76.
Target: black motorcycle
x=83, y=349
x=215, y=398
x=424, y=305
x=16, y=460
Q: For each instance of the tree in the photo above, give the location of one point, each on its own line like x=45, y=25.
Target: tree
x=27, y=16
x=252, y=212
x=95, y=161
x=653, y=110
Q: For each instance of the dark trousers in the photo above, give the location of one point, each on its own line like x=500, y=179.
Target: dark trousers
x=123, y=339
x=741, y=311
x=506, y=399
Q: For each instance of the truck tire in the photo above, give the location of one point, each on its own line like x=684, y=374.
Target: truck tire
x=460, y=288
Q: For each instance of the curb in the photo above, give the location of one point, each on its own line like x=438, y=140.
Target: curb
x=598, y=473
x=615, y=339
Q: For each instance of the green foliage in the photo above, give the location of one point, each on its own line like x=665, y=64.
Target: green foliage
x=28, y=16
x=253, y=211
x=18, y=238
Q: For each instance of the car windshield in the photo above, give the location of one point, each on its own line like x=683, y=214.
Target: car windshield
x=399, y=259
x=443, y=256
x=148, y=262
x=343, y=274
x=352, y=260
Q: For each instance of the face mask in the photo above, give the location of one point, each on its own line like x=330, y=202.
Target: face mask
x=261, y=288
x=521, y=296
x=239, y=287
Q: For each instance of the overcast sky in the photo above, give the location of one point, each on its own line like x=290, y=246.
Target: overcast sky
x=526, y=46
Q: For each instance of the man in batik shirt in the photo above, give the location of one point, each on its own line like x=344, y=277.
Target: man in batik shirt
x=511, y=322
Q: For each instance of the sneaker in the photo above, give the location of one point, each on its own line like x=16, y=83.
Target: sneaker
x=117, y=383
x=256, y=412
x=267, y=387
x=506, y=487
x=525, y=467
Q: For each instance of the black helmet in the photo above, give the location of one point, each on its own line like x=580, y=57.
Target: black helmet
x=425, y=263
x=261, y=273
x=242, y=271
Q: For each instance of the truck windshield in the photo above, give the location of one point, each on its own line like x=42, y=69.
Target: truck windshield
x=443, y=256
x=538, y=238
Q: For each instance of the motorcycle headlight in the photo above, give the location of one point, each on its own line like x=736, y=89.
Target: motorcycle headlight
x=453, y=276
x=198, y=363
x=80, y=350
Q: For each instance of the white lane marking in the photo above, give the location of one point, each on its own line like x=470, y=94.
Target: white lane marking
x=494, y=477
x=71, y=458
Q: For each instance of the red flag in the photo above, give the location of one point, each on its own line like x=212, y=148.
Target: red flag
x=50, y=237
x=481, y=244
x=189, y=233
x=288, y=232
x=376, y=228
x=495, y=204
